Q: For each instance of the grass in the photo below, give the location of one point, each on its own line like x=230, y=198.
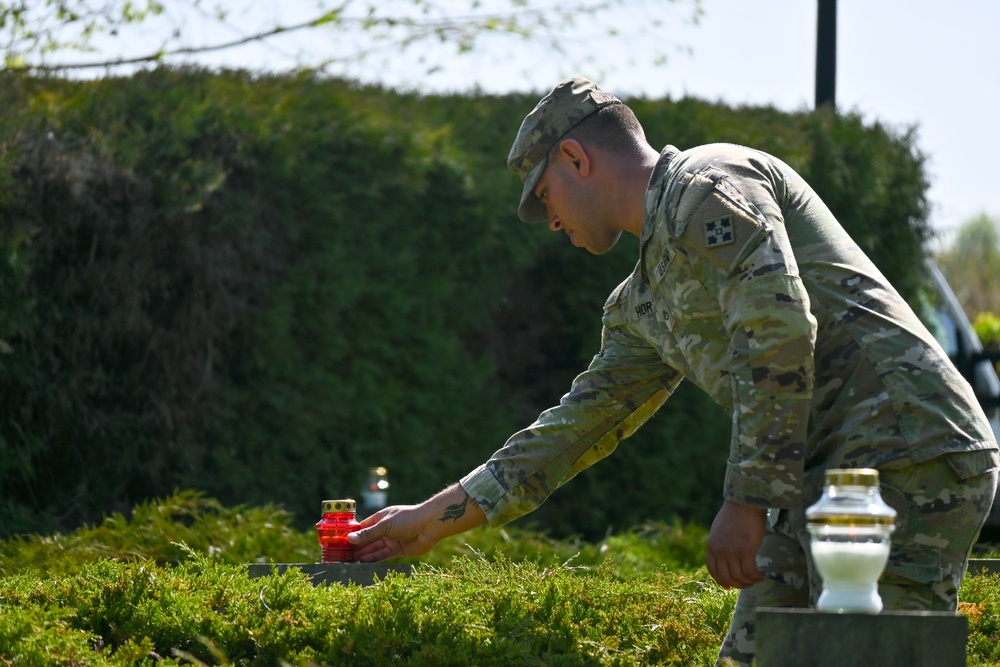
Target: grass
x=168, y=586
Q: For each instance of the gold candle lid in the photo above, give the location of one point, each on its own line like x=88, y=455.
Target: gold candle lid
x=844, y=504
x=856, y=520
x=345, y=505
x=852, y=477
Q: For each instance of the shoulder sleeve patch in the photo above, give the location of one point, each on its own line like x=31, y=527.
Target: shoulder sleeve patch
x=724, y=227
x=719, y=232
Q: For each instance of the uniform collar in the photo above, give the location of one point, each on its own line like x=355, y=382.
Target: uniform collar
x=654, y=197
x=654, y=191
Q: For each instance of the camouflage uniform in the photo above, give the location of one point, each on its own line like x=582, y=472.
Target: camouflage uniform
x=748, y=287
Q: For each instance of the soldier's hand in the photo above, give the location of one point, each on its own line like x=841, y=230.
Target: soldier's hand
x=412, y=530
x=392, y=532
x=733, y=542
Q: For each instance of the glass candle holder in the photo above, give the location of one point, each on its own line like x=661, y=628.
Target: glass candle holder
x=850, y=527
x=331, y=531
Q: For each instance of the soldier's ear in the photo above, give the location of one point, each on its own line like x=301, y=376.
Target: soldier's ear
x=575, y=154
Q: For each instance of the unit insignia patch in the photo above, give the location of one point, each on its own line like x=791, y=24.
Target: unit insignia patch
x=718, y=232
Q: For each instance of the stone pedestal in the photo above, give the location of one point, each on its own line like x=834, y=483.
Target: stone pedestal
x=797, y=637
x=363, y=574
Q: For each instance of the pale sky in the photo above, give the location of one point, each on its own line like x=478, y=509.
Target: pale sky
x=924, y=63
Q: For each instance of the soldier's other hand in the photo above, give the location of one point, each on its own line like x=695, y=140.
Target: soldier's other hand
x=733, y=542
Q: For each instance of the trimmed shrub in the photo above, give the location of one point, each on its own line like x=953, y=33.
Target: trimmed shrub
x=260, y=286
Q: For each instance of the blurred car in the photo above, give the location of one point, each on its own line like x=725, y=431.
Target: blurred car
x=945, y=317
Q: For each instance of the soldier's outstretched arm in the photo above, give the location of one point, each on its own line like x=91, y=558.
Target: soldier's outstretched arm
x=412, y=530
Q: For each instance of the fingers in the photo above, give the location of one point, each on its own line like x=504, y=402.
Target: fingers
x=371, y=520
x=361, y=536
x=743, y=574
x=370, y=547
x=378, y=550
x=734, y=572
x=366, y=539
x=372, y=539
x=733, y=562
x=733, y=542
x=369, y=529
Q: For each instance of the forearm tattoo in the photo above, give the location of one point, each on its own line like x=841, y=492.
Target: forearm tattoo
x=456, y=511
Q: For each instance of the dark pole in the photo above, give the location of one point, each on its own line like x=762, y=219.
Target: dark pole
x=826, y=54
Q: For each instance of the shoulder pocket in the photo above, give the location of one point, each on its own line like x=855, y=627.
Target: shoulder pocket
x=720, y=223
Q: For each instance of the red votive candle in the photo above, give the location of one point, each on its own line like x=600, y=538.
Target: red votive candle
x=339, y=519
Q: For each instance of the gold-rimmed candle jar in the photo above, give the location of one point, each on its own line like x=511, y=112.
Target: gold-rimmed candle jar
x=331, y=530
x=850, y=527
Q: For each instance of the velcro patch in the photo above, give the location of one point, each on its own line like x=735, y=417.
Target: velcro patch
x=725, y=227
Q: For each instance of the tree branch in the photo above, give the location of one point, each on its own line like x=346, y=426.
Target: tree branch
x=461, y=30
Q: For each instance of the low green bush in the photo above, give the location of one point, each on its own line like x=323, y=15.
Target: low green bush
x=472, y=612
x=987, y=328
x=980, y=602
x=168, y=586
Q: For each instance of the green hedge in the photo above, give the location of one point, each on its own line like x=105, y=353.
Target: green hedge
x=260, y=286
x=168, y=586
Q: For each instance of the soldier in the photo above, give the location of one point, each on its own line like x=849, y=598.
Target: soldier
x=747, y=286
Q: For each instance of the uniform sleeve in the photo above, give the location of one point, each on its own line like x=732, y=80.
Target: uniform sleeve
x=625, y=384
x=744, y=256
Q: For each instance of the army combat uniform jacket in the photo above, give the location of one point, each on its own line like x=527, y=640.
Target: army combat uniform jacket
x=749, y=287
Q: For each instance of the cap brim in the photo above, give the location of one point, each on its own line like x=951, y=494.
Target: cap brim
x=532, y=210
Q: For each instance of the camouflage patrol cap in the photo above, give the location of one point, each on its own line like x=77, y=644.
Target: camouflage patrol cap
x=558, y=112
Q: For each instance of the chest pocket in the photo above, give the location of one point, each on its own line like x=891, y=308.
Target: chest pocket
x=614, y=312
x=628, y=304
x=630, y=307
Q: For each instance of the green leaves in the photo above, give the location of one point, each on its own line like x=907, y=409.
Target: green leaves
x=518, y=600
x=211, y=275
x=490, y=613
x=971, y=263
x=30, y=31
x=36, y=36
x=491, y=598
x=166, y=531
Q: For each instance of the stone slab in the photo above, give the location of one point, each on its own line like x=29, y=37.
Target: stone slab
x=363, y=574
x=797, y=637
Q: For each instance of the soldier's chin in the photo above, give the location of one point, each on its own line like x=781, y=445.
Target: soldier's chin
x=605, y=246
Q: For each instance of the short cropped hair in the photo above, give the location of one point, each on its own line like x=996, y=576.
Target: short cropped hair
x=612, y=128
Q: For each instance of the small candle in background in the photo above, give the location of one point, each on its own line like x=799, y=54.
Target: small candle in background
x=375, y=492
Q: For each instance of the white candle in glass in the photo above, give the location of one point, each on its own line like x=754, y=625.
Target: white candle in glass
x=850, y=573
x=850, y=526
